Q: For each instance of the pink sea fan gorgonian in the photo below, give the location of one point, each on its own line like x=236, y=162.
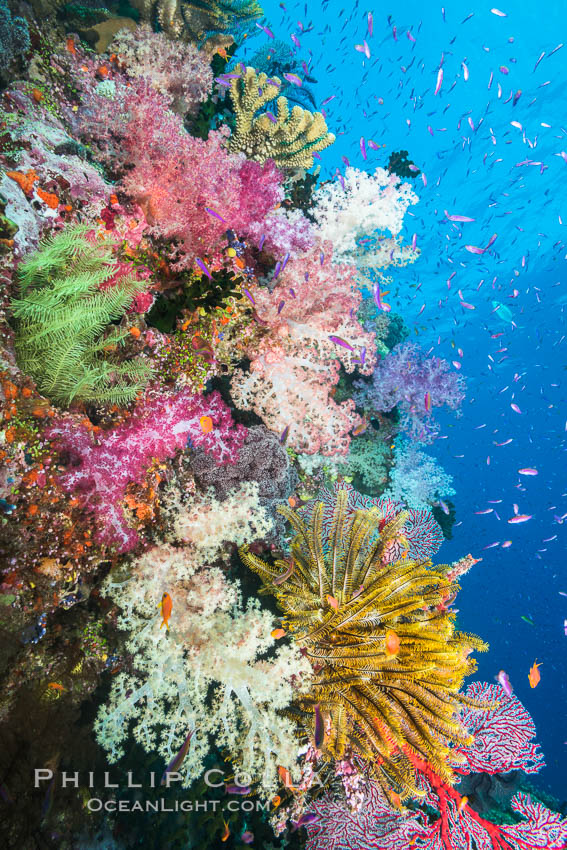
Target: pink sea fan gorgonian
x=421, y=533
x=502, y=737
x=406, y=378
x=310, y=330
x=97, y=470
x=448, y=822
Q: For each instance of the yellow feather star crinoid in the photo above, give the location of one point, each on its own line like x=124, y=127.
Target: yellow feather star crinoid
x=340, y=599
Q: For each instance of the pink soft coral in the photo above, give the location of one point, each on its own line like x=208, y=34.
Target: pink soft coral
x=191, y=190
x=99, y=471
x=311, y=328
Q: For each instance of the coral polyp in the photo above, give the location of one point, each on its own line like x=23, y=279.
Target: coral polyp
x=388, y=661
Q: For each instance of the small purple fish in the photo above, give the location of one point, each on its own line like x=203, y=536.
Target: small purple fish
x=295, y=40
x=372, y=145
x=261, y=242
x=285, y=259
x=277, y=269
x=215, y=214
x=305, y=820
x=268, y=32
x=243, y=790
x=322, y=257
x=283, y=437
x=177, y=759
x=328, y=100
x=203, y=267
x=294, y=79
x=319, y=727
x=280, y=306
x=249, y=295
x=339, y=341
x=370, y=24
x=363, y=147
x=285, y=575
x=504, y=681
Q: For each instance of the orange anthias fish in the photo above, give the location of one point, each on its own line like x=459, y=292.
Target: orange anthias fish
x=226, y=832
x=534, y=674
x=206, y=424
x=285, y=777
x=165, y=605
x=392, y=643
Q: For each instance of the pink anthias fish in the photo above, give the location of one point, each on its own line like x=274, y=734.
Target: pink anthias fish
x=520, y=518
x=363, y=48
x=457, y=217
x=504, y=682
x=439, y=81
x=528, y=470
x=378, y=300
x=294, y=79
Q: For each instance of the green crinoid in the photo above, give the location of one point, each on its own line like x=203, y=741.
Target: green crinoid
x=65, y=339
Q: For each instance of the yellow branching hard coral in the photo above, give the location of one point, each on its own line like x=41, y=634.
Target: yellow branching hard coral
x=388, y=662
x=290, y=138
x=198, y=19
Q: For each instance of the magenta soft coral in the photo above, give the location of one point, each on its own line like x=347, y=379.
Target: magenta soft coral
x=311, y=328
x=98, y=470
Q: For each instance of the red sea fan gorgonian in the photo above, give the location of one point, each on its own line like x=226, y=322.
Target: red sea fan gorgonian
x=502, y=743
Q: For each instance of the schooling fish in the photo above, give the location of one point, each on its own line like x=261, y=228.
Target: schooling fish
x=534, y=675
x=177, y=759
x=339, y=341
x=166, y=606
x=392, y=643
x=504, y=681
x=293, y=78
x=304, y=820
x=203, y=267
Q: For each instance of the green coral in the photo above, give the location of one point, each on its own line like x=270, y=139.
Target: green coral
x=198, y=292
x=368, y=461
x=63, y=320
x=197, y=19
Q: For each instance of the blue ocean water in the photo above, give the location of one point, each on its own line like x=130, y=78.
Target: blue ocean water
x=491, y=146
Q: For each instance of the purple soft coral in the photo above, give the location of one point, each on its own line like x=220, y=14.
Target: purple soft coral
x=98, y=472
x=416, y=384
